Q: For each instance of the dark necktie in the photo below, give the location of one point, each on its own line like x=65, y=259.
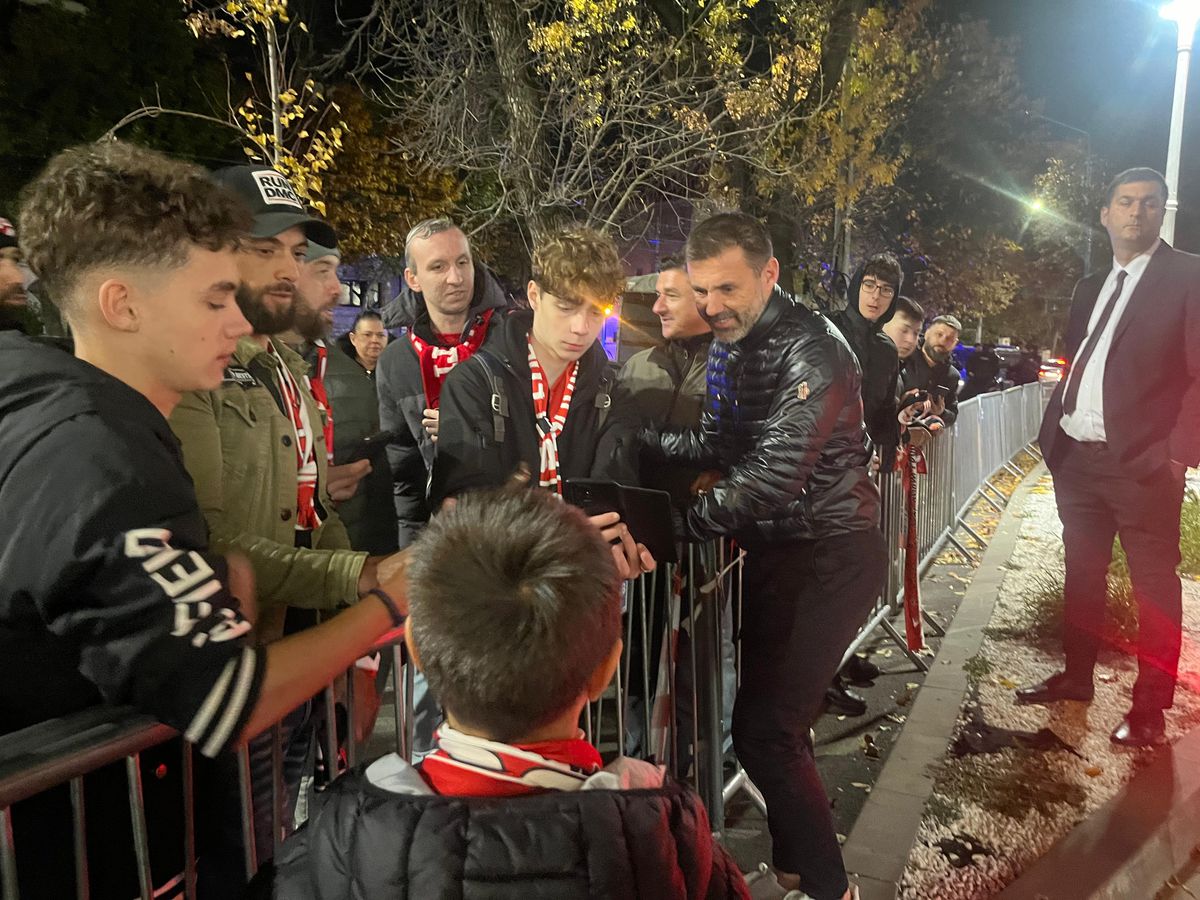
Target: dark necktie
x=1072, y=394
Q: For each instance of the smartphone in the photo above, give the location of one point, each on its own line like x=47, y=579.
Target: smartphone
x=369, y=447
x=940, y=391
x=646, y=512
x=918, y=397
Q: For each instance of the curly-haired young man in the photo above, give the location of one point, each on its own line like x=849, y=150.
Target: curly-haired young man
x=548, y=375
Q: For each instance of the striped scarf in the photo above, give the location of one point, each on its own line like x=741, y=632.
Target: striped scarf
x=466, y=765
x=549, y=424
x=316, y=381
x=306, y=459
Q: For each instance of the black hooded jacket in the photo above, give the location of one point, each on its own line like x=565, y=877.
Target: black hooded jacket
x=783, y=422
x=402, y=396
x=470, y=454
x=107, y=595
x=880, y=364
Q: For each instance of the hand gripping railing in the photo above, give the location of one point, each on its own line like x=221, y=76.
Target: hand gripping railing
x=66, y=750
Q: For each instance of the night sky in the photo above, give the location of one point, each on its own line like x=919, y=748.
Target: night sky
x=1107, y=67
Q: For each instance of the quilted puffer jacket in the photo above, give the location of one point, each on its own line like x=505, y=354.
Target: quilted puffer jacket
x=783, y=423
x=404, y=843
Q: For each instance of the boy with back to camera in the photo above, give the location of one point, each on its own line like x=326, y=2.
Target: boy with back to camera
x=515, y=620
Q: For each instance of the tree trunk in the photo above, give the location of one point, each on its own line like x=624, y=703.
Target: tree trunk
x=529, y=170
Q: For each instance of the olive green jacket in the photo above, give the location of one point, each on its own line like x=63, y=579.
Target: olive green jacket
x=240, y=450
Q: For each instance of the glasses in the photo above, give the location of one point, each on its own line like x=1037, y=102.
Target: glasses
x=875, y=287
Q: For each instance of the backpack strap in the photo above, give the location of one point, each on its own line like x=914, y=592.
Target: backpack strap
x=604, y=396
x=499, y=401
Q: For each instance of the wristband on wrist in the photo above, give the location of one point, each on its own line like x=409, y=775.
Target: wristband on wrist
x=397, y=616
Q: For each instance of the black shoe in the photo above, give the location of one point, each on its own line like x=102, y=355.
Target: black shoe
x=859, y=670
x=1055, y=688
x=1140, y=729
x=845, y=700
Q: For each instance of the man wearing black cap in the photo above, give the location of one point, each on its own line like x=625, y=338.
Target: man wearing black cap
x=256, y=449
x=929, y=369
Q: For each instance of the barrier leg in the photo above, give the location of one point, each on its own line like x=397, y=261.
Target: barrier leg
x=137, y=816
x=331, y=749
x=647, y=607
x=8, y=857
x=83, y=888
x=398, y=694
x=189, y=823
x=963, y=551
x=277, y=788
x=903, y=645
x=709, y=756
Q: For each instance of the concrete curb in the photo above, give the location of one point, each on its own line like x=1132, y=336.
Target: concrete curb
x=1133, y=843
x=877, y=850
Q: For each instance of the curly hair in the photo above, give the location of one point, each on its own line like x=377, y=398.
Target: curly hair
x=116, y=204
x=515, y=602
x=579, y=258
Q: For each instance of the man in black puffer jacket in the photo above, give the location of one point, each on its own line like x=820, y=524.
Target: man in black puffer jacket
x=783, y=424
x=515, y=637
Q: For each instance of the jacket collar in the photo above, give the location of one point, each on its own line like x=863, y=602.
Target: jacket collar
x=778, y=303
x=250, y=353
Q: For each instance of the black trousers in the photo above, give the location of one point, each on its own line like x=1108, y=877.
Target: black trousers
x=803, y=603
x=1097, y=501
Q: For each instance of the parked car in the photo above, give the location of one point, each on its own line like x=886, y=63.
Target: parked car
x=1053, y=370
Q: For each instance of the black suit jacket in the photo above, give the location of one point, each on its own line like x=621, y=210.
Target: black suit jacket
x=1152, y=375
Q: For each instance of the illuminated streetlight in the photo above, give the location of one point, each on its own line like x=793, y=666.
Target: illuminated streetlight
x=1185, y=14
x=1036, y=205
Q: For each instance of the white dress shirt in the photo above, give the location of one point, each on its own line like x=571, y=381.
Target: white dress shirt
x=1086, y=423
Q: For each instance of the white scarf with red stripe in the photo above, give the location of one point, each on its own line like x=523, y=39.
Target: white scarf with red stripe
x=549, y=422
x=306, y=458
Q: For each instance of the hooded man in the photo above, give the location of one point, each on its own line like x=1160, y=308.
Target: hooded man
x=870, y=304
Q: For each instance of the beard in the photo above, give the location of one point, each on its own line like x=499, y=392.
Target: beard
x=937, y=354
x=262, y=318
x=308, y=322
x=13, y=295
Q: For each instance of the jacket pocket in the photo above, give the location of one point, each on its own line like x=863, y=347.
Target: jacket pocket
x=237, y=403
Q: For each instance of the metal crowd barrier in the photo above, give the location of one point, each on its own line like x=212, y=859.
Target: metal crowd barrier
x=990, y=432
x=64, y=751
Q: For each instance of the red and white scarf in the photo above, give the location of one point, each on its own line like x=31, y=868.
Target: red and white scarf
x=316, y=381
x=463, y=765
x=438, y=359
x=549, y=422
x=306, y=459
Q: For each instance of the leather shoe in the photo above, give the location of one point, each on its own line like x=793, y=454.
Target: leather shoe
x=1140, y=729
x=1055, y=688
x=859, y=670
x=842, y=698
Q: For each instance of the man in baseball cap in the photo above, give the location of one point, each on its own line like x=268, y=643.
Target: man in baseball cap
x=256, y=450
x=274, y=203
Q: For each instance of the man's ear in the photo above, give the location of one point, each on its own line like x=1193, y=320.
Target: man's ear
x=534, y=294
x=770, y=275
x=410, y=278
x=603, y=674
x=411, y=645
x=117, y=305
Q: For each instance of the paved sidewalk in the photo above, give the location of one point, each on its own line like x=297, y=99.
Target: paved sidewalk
x=1076, y=819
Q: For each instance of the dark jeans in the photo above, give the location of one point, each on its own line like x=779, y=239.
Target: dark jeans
x=803, y=604
x=1096, y=502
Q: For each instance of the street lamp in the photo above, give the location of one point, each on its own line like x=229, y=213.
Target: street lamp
x=1087, y=175
x=1185, y=14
